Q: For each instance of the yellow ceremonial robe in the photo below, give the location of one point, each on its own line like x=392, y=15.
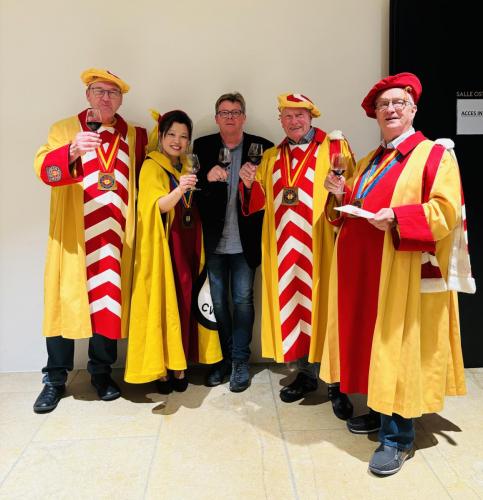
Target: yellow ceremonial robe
x=416, y=353
x=323, y=242
x=66, y=304
x=155, y=341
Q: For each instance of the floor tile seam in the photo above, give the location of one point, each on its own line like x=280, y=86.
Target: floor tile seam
x=153, y=456
x=110, y=438
x=22, y=453
x=428, y=463
x=282, y=433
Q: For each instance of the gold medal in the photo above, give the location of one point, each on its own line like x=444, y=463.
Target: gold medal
x=187, y=218
x=290, y=196
x=106, y=182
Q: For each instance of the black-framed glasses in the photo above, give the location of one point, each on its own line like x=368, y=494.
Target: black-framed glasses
x=112, y=93
x=236, y=113
x=397, y=104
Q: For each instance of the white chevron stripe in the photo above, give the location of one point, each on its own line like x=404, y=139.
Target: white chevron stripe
x=305, y=199
x=293, y=243
x=106, y=198
x=121, y=178
x=107, y=276
x=297, y=219
x=310, y=174
x=277, y=174
x=290, y=274
x=105, y=302
x=89, y=156
x=297, y=298
x=91, y=179
x=121, y=155
x=102, y=227
x=107, y=250
x=291, y=338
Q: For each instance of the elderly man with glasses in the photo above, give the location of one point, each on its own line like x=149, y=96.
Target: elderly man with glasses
x=232, y=241
x=90, y=161
x=394, y=330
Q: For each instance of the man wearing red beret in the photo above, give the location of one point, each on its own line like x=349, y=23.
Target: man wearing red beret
x=393, y=330
x=90, y=163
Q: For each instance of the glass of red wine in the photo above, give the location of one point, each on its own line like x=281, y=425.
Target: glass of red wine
x=338, y=165
x=193, y=166
x=93, y=119
x=255, y=153
x=224, y=159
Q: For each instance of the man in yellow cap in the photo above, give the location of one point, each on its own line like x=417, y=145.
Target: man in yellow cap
x=393, y=306
x=90, y=161
x=297, y=243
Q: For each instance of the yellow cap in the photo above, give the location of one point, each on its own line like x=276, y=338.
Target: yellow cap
x=297, y=101
x=93, y=75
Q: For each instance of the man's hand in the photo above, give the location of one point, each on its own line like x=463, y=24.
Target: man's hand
x=247, y=174
x=384, y=219
x=217, y=174
x=83, y=142
x=335, y=185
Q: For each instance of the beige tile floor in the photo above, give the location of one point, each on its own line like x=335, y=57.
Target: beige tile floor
x=209, y=443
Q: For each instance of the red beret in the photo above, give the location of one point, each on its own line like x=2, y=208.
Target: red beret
x=401, y=80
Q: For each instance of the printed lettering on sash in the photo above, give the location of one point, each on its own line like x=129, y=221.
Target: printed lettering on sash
x=290, y=196
x=107, y=182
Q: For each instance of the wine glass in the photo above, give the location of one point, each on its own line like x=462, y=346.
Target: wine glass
x=193, y=166
x=255, y=153
x=224, y=159
x=93, y=119
x=338, y=165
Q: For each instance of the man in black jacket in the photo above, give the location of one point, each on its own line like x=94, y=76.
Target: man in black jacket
x=232, y=241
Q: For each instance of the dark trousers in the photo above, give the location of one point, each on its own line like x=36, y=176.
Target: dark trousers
x=225, y=272
x=102, y=354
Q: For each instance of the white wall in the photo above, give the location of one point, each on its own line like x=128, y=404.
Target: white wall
x=175, y=55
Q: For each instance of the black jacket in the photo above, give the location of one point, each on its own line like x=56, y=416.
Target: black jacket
x=212, y=199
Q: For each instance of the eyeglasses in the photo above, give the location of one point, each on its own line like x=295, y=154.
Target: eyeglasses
x=98, y=92
x=236, y=113
x=397, y=104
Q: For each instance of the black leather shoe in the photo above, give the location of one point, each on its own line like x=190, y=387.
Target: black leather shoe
x=179, y=384
x=365, y=424
x=341, y=404
x=164, y=386
x=299, y=388
x=106, y=388
x=218, y=373
x=49, y=398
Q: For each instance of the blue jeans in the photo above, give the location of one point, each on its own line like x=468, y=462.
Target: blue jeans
x=225, y=270
x=396, y=431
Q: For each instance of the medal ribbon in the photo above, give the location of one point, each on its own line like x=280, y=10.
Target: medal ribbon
x=187, y=197
x=108, y=158
x=376, y=172
x=301, y=167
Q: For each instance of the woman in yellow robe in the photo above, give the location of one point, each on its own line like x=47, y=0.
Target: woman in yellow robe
x=165, y=331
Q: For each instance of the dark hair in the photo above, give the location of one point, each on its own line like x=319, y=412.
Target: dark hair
x=176, y=116
x=232, y=97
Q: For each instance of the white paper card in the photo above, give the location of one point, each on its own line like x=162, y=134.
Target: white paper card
x=470, y=117
x=358, y=212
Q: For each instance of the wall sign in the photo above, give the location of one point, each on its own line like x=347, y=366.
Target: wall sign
x=469, y=113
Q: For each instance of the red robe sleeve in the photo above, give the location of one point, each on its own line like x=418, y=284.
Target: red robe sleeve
x=413, y=233
x=252, y=200
x=55, y=170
